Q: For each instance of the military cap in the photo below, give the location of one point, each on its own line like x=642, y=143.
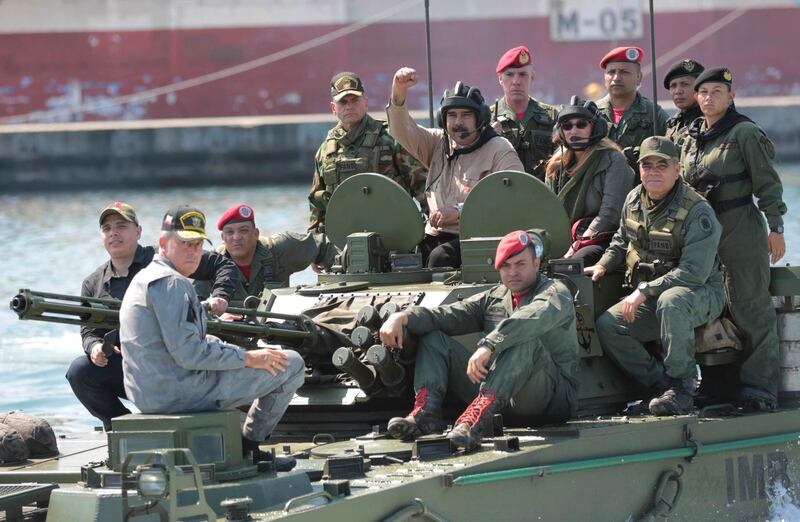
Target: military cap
x=513, y=243
x=346, y=83
x=658, y=146
x=686, y=67
x=623, y=54
x=237, y=214
x=123, y=210
x=187, y=222
x=717, y=74
x=516, y=57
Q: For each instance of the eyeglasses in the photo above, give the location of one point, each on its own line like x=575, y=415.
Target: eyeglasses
x=581, y=124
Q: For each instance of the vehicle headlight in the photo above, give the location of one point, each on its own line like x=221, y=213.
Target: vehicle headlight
x=152, y=482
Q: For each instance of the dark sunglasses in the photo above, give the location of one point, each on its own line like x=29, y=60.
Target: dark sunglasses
x=582, y=124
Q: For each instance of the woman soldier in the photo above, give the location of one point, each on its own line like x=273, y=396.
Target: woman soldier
x=591, y=177
x=728, y=159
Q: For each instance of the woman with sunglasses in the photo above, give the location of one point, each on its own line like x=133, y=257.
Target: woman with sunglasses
x=591, y=177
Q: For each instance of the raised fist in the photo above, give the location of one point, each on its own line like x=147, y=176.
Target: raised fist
x=404, y=78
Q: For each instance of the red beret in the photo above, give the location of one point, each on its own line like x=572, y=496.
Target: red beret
x=623, y=54
x=516, y=57
x=237, y=214
x=512, y=244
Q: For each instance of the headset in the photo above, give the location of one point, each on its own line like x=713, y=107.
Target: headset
x=464, y=97
x=588, y=110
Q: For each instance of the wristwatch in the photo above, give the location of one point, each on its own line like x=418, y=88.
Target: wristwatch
x=777, y=230
x=486, y=343
x=644, y=288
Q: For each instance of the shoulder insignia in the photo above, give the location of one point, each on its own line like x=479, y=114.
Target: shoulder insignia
x=705, y=223
x=768, y=147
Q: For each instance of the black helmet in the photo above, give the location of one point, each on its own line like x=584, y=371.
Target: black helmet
x=464, y=97
x=578, y=108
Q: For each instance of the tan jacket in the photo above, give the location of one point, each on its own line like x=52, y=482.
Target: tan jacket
x=449, y=179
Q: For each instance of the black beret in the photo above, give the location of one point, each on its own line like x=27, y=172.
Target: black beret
x=717, y=74
x=686, y=67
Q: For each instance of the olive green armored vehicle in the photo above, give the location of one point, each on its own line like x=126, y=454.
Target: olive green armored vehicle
x=720, y=464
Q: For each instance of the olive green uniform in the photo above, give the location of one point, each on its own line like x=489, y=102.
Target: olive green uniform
x=532, y=137
x=682, y=234
x=636, y=124
x=535, y=361
x=742, y=158
x=276, y=258
x=678, y=126
x=368, y=147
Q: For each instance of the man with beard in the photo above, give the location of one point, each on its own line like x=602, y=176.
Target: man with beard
x=525, y=122
x=729, y=159
x=358, y=143
x=680, y=82
x=526, y=361
x=458, y=155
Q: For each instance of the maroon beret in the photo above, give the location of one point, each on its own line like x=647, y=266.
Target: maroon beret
x=512, y=244
x=623, y=54
x=237, y=214
x=516, y=57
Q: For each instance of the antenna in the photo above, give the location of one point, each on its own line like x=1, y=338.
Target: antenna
x=653, y=63
x=428, y=50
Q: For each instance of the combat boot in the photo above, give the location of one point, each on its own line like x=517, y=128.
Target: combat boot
x=677, y=400
x=466, y=432
x=425, y=418
x=251, y=449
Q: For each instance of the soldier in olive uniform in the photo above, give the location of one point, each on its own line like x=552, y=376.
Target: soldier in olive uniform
x=729, y=159
x=266, y=262
x=668, y=239
x=525, y=122
x=629, y=113
x=528, y=358
x=680, y=82
x=358, y=144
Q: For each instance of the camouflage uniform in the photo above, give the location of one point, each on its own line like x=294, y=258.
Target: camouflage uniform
x=532, y=137
x=368, y=147
x=276, y=258
x=678, y=126
x=687, y=292
x=535, y=361
x=742, y=160
x=636, y=124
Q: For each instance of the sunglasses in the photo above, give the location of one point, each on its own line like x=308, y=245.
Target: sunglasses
x=582, y=124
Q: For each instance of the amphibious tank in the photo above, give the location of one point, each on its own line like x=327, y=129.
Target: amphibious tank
x=720, y=463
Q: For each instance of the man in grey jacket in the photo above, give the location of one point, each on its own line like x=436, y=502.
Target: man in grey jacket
x=169, y=362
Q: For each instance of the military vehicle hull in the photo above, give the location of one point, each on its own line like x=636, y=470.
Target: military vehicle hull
x=723, y=463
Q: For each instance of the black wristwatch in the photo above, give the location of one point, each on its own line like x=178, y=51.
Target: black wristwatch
x=777, y=230
x=645, y=289
x=486, y=343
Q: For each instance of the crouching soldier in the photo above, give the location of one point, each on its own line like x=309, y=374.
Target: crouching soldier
x=527, y=360
x=668, y=239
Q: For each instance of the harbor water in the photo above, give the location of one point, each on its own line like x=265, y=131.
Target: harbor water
x=51, y=241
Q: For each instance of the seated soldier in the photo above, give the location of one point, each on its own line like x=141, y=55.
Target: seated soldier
x=527, y=360
x=668, y=238
x=266, y=261
x=96, y=378
x=170, y=364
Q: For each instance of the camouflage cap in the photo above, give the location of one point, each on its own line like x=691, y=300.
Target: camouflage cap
x=658, y=146
x=187, y=222
x=124, y=210
x=346, y=83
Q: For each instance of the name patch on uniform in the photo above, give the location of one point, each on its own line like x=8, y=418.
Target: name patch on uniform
x=347, y=166
x=729, y=145
x=661, y=245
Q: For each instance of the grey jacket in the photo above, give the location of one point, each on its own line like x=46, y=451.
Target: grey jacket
x=168, y=361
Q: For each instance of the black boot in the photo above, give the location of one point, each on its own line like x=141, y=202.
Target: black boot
x=757, y=399
x=466, y=432
x=425, y=418
x=678, y=399
x=281, y=462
